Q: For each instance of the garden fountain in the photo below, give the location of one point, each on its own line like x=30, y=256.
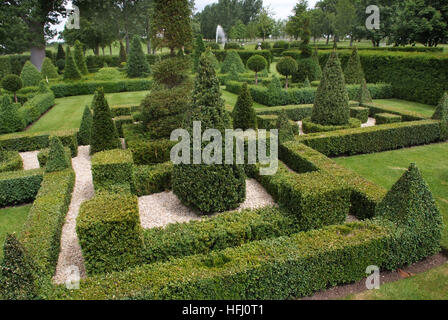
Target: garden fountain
x=220, y=34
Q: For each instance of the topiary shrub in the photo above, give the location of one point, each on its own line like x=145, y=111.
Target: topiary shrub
x=307, y=68
x=122, y=57
x=104, y=133
x=199, y=48
x=30, y=75
x=257, y=63
x=5, y=66
x=171, y=72
x=213, y=60
x=10, y=119
x=285, y=128
x=243, y=114
x=61, y=53
x=441, y=107
x=80, y=60
x=12, y=83
x=287, y=66
x=275, y=94
x=57, y=158
x=49, y=70
x=353, y=72
x=71, y=71
x=364, y=93
x=85, y=130
x=233, y=59
x=331, y=105
x=106, y=74
x=307, y=83
x=214, y=187
x=137, y=65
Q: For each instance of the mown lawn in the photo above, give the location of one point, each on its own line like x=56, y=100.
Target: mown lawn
x=11, y=220
x=403, y=105
x=67, y=112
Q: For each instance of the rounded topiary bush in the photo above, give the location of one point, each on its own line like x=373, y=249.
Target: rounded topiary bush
x=30, y=75
x=243, y=114
x=233, y=59
x=307, y=68
x=137, y=65
x=49, y=70
x=257, y=63
x=10, y=119
x=12, y=83
x=105, y=74
x=57, y=158
x=287, y=66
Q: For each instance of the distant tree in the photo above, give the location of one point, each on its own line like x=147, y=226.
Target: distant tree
x=265, y=24
x=199, y=48
x=80, y=60
x=122, y=56
x=137, y=65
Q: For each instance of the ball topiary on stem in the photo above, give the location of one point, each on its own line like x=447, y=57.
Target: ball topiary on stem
x=80, y=60
x=57, y=158
x=104, y=133
x=85, y=130
x=243, y=114
x=12, y=83
x=71, y=71
x=331, y=105
x=257, y=63
x=49, y=70
x=10, y=119
x=137, y=65
x=30, y=75
x=233, y=59
x=353, y=72
x=215, y=187
x=287, y=66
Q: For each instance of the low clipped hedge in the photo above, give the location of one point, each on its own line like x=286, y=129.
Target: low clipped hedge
x=152, y=179
x=245, y=55
x=24, y=141
x=18, y=187
x=311, y=127
x=110, y=234
x=406, y=115
x=123, y=110
x=66, y=89
x=229, y=229
x=120, y=121
x=10, y=161
x=385, y=118
x=112, y=167
x=269, y=122
x=374, y=139
x=296, y=96
x=294, y=112
x=42, y=156
x=36, y=106
x=360, y=113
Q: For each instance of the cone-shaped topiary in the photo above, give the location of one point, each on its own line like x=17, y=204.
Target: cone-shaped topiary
x=85, y=130
x=12, y=83
x=137, y=65
x=287, y=66
x=30, y=75
x=275, y=92
x=331, y=105
x=61, y=53
x=285, y=127
x=71, y=71
x=43, y=87
x=209, y=187
x=17, y=280
x=353, y=72
x=318, y=69
x=244, y=116
x=257, y=63
x=306, y=83
x=57, y=158
x=443, y=105
x=123, y=56
x=233, y=59
x=49, y=70
x=80, y=60
x=104, y=133
x=10, y=119
x=212, y=58
x=199, y=48
x=364, y=93
x=233, y=75
x=411, y=206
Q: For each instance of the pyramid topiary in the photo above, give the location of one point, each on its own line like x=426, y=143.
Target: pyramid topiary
x=233, y=74
x=122, y=56
x=17, y=280
x=12, y=83
x=80, y=60
x=10, y=119
x=318, y=69
x=44, y=87
x=61, y=53
x=49, y=70
x=275, y=94
x=199, y=48
x=104, y=133
x=57, y=159
x=411, y=206
x=306, y=83
x=331, y=104
x=364, y=93
x=443, y=105
x=243, y=114
x=212, y=58
x=137, y=65
x=213, y=187
x=30, y=75
x=71, y=71
x=285, y=127
x=353, y=72
x=233, y=59
x=85, y=130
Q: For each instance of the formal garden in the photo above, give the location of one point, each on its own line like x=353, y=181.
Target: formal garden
x=89, y=190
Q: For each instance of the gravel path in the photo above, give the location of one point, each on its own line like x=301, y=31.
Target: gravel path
x=70, y=254
x=370, y=123
x=161, y=209
x=30, y=161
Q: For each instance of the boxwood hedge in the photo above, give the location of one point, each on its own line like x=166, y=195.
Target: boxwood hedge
x=10, y=161
x=18, y=187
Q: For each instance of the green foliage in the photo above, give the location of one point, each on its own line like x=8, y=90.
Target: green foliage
x=17, y=279
x=5, y=66
x=331, y=102
x=257, y=63
x=213, y=60
x=10, y=119
x=49, y=70
x=311, y=127
x=85, y=130
x=287, y=66
x=233, y=59
x=307, y=83
x=442, y=108
x=57, y=159
x=80, y=60
x=122, y=57
x=364, y=93
x=171, y=72
x=307, y=68
x=384, y=118
x=10, y=161
x=106, y=74
x=353, y=71
x=244, y=113
x=104, y=133
x=285, y=128
x=110, y=234
x=18, y=187
x=71, y=71
x=12, y=83
x=360, y=113
x=152, y=179
x=199, y=48
x=61, y=53
x=36, y=106
x=137, y=66
x=30, y=75
x=294, y=112
x=43, y=156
